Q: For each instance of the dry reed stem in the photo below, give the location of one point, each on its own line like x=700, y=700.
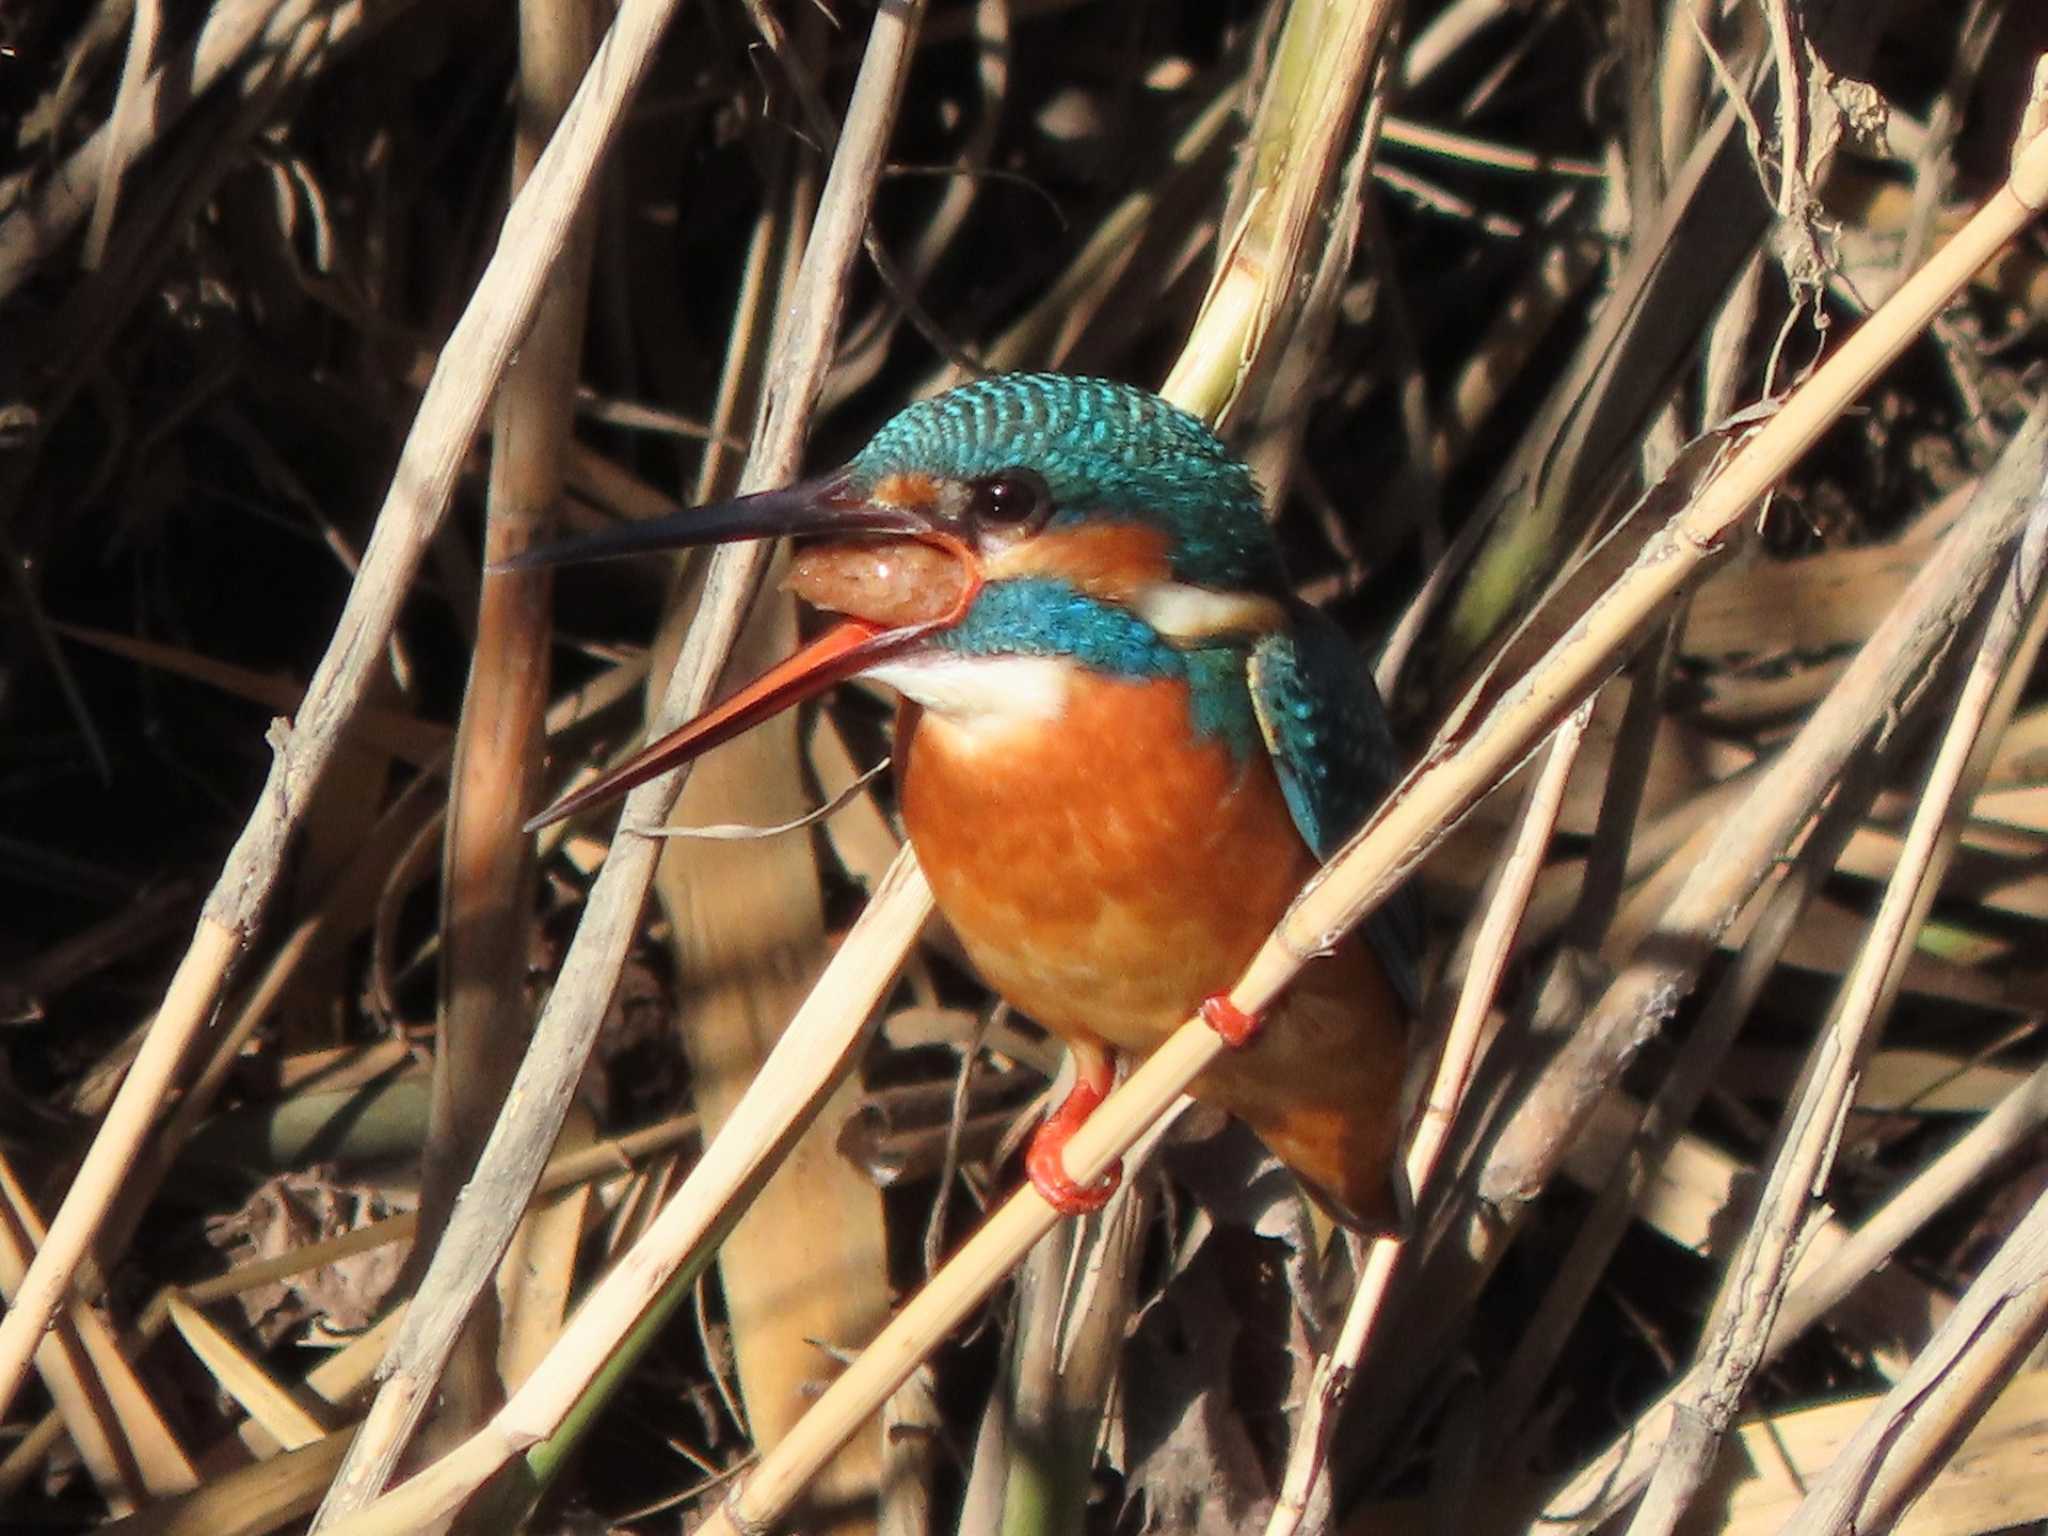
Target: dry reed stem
x=495, y=779
x=1076, y=1292
x=120, y=1435
x=804, y=1271
x=1699, y=235
x=331, y=1386
x=1817, y=1289
x=1667, y=1115
x=145, y=24
x=1494, y=941
x=1976, y=1352
x=248, y=1501
x=449, y=412
x=1044, y=334
x=1322, y=64
x=1446, y=34
x=1742, y=850
x=482, y=1222
x=237, y=1373
x=1754, y=1287
x=233, y=28
x=615, y=1158
x=189, y=1001
x=1620, y=1469
x=2004, y=1129
x=538, y=1409
x=1519, y=326
x=409, y=819
x=809, y=1058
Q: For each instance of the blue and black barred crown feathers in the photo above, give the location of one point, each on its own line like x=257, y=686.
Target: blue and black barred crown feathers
x=1101, y=447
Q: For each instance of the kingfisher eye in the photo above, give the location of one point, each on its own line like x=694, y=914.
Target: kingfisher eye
x=1016, y=498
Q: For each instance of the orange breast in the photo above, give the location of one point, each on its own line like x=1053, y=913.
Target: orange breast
x=1108, y=870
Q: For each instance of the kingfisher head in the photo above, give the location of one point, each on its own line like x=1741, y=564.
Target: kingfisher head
x=983, y=540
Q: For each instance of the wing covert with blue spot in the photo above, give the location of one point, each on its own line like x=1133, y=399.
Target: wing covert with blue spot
x=1335, y=756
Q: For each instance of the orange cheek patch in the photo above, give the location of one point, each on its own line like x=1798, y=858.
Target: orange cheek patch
x=1106, y=560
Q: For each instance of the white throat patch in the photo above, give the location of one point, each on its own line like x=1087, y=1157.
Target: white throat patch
x=1188, y=615
x=981, y=695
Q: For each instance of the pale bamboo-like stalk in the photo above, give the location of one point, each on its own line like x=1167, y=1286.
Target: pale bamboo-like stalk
x=597, y=1163
x=1672, y=1108
x=450, y=410
x=117, y=1429
x=1950, y=585
x=1754, y=1287
x=1492, y=946
x=1322, y=64
x=807, y=1061
x=483, y=1221
x=267, y=1401
x=1900, y=1447
x=1996, y=1136
x=145, y=23
x=233, y=29
x=495, y=779
x=1817, y=1290
x=338, y=1377
x=746, y=931
x=1422, y=809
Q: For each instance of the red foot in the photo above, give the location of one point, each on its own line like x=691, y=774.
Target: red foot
x=1045, y=1159
x=1237, y=1027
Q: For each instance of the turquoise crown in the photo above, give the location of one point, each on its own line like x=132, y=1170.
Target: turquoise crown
x=1104, y=450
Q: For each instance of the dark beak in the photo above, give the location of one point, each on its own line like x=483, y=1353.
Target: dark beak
x=827, y=506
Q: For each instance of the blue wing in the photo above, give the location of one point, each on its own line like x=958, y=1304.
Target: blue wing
x=1328, y=736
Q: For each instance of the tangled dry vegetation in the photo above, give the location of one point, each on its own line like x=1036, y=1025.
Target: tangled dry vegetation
x=1732, y=1210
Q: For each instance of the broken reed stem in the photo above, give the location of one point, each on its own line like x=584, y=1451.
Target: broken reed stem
x=1322, y=64
x=1493, y=944
x=1754, y=1287
x=483, y=1220
x=600, y=1162
x=1420, y=811
x=821, y=1043
x=1997, y=1135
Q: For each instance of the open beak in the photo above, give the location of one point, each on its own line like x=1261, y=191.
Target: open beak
x=893, y=571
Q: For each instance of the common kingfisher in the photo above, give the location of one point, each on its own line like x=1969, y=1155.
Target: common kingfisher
x=1123, y=745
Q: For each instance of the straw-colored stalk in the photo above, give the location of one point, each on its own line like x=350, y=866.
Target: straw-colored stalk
x=1498, y=924
x=450, y=411
x=567, y=1029
x=1754, y=1287
x=487, y=863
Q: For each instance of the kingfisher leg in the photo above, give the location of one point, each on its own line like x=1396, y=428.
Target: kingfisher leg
x=1045, y=1158
x=1237, y=1027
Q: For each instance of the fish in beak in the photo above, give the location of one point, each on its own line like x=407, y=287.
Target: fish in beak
x=893, y=570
